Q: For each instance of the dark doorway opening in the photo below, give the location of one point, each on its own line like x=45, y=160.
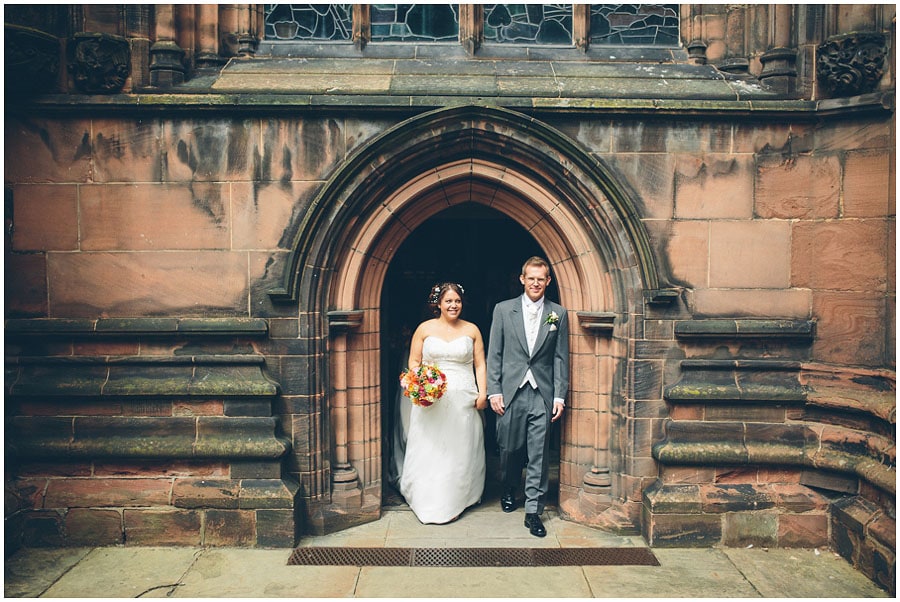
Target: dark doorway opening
x=483, y=250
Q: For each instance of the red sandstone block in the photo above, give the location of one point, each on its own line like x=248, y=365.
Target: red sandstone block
x=750, y=254
x=199, y=469
x=845, y=255
x=230, y=528
x=798, y=498
x=126, y=150
x=92, y=527
x=802, y=530
x=25, y=277
x=688, y=251
x=686, y=475
x=99, y=492
x=714, y=187
x=794, y=303
x=31, y=492
x=205, y=493
x=137, y=284
x=155, y=217
x=47, y=150
x=867, y=184
x=162, y=527
x=848, y=328
x=217, y=150
x=262, y=210
x=214, y=407
x=741, y=529
x=45, y=218
x=801, y=187
x=94, y=348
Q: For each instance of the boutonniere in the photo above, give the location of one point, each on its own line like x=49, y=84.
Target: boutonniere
x=552, y=319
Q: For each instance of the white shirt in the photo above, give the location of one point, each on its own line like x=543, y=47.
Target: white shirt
x=531, y=314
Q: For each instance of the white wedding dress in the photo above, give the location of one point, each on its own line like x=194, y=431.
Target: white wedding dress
x=443, y=470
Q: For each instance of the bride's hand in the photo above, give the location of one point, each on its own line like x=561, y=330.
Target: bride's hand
x=481, y=402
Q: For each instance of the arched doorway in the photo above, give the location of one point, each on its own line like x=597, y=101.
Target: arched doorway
x=343, y=250
x=482, y=249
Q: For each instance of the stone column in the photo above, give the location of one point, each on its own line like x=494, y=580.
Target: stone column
x=779, y=63
x=247, y=39
x=581, y=28
x=471, y=32
x=362, y=29
x=207, y=56
x=736, y=60
x=346, y=490
x=166, y=67
x=696, y=47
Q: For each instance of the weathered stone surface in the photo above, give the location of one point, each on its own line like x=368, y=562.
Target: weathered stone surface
x=232, y=528
x=750, y=254
x=844, y=255
x=713, y=187
x=138, y=284
x=205, y=493
x=92, y=527
x=126, y=150
x=44, y=218
x=99, y=493
x=140, y=217
x=776, y=193
x=162, y=527
x=750, y=528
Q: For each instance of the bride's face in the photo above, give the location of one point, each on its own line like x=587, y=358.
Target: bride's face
x=451, y=305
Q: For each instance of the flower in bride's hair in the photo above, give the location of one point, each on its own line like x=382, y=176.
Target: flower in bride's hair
x=424, y=385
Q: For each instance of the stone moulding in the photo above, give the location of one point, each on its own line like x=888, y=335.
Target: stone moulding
x=745, y=328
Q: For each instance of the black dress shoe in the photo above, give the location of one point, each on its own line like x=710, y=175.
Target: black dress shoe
x=534, y=524
x=508, y=501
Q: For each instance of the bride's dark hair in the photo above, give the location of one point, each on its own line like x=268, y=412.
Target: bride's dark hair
x=437, y=293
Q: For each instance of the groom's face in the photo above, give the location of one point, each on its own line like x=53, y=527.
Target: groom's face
x=535, y=279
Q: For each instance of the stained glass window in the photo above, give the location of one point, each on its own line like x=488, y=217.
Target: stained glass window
x=528, y=23
x=635, y=24
x=308, y=22
x=415, y=22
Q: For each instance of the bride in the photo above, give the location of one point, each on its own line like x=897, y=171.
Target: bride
x=443, y=469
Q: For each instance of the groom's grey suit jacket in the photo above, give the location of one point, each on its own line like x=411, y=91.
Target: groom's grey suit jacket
x=508, y=359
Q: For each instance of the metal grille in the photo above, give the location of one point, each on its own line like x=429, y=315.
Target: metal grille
x=472, y=557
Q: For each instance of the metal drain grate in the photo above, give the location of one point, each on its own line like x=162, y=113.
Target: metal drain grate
x=472, y=557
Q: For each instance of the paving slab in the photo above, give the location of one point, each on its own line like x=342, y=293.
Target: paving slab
x=28, y=575
x=798, y=573
x=453, y=582
x=683, y=573
x=243, y=573
x=119, y=572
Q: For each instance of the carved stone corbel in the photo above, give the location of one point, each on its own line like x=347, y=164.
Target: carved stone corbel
x=851, y=64
x=101, y=62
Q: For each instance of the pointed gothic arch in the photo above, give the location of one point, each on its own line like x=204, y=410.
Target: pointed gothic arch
x=573, y=205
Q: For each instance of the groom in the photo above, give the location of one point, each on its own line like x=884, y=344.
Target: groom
x=528, y=378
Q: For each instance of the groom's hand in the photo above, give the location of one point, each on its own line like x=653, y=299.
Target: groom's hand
x=557, y=411
x=497, y=404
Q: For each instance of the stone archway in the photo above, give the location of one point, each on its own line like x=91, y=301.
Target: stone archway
x=577, y=211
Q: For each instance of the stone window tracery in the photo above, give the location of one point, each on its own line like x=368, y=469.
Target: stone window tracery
x=506, y=24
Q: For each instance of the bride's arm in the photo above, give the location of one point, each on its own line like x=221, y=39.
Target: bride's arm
x=415, y=348
x=480, y=370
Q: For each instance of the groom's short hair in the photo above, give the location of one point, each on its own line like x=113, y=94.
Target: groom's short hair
x=537, y=262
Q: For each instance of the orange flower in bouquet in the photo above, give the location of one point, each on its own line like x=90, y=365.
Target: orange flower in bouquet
x=425, y=385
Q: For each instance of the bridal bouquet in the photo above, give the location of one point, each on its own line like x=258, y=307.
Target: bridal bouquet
x=424, y=385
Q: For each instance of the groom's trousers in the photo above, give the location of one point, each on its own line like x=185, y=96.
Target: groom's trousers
x=522, y=439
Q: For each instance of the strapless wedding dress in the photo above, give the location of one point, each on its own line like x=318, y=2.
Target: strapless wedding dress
x=443, y=470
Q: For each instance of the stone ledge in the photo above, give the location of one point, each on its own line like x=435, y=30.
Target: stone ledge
x=204, y=437
x=864, y=455
x=139, y=376
x=784, y=515
x=745, y=328
x=28, y=327
x=771, y=382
